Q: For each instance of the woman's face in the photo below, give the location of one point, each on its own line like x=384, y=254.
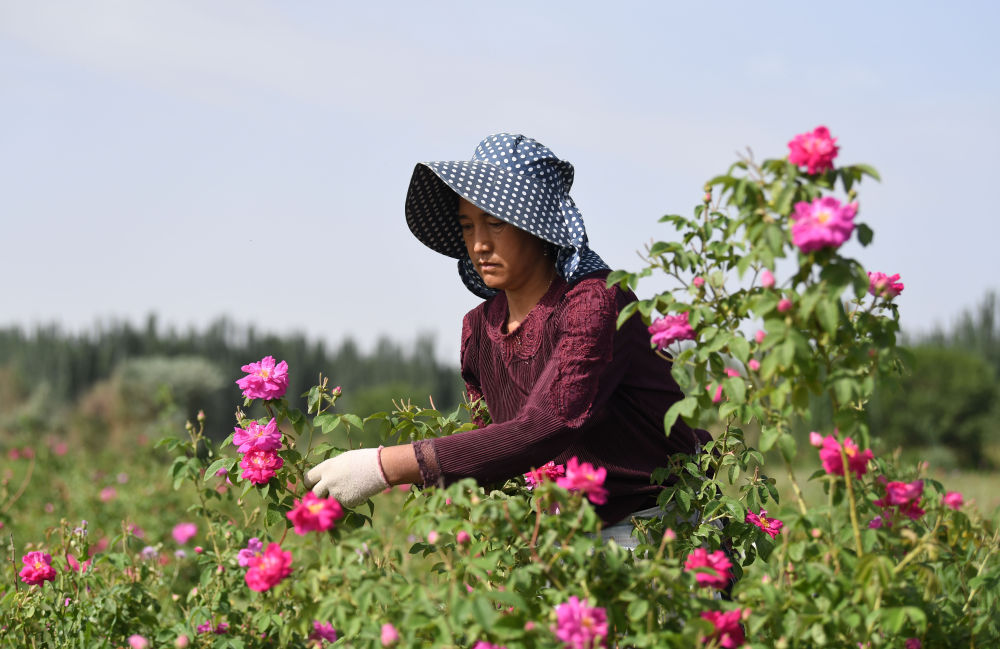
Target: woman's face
x=506, y=257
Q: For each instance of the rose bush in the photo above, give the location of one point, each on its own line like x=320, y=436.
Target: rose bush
x=885, y=558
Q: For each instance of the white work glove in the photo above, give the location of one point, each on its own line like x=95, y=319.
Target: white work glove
x=352, y=477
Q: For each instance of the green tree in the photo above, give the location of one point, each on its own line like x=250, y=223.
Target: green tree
x=946, y=397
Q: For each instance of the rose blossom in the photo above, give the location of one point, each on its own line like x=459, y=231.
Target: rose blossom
x=462, y=537
x=759, y=336
x=264, y=380
x=912, y=643
x=108, y=494
x=728, y=632
x=829, y=455
x=548, y=472
x=669, y=329
x=313, y=513
x=953, y=499
x=753, y=364
x=767, y=279
x=905, y=496
x=771, y=526
x=37, y=568
x=882, y=285
x=390, y=635
x=136, y=641
x=784, y=305
x=815, y=150
x=580, y=626
x=254, y=548
x=259, y=466
x=257, y=438
x=698, y=281
x=184, y=532
x=268, y=569
x=823, y=223
x=582, y=476
x=323, y=632
x=482, y=644
x=712, y=569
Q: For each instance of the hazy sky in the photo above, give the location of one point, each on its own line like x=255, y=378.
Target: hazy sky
x=201, y=158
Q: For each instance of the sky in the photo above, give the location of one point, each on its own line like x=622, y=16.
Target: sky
x=250, y=159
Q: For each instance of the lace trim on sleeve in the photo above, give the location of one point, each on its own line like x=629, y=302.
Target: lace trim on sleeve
x=430, y=470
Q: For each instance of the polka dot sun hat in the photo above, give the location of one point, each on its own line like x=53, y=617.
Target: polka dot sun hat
x=517, y=180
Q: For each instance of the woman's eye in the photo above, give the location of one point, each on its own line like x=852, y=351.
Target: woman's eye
x=496, y=225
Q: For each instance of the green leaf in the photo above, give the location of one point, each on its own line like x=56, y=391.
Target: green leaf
x=222, y=462
x=787, y=446
x=638, y=609
x=739, y=347
x=865, y=234
x=327, y=422
x=685, y=407
x=868, y=171
x=354, y=420
x=768, y=437
x=828, y=313
x=626, y=313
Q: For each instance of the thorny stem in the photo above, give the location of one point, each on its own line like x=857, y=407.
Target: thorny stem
x=982, y=565
x=918, y=548
x=850, y=497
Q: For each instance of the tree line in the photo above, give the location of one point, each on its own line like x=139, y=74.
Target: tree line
x=46, y=370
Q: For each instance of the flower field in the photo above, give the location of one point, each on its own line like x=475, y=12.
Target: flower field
x=194, y=542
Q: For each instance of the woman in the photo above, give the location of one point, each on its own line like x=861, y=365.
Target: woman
x=559, y=379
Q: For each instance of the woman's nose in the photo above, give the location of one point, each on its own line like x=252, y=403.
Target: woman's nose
x=480, y=241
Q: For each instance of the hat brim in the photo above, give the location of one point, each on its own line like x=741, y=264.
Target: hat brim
x=432, y=207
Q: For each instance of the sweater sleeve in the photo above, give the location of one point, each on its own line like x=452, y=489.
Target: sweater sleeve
x=575, y=381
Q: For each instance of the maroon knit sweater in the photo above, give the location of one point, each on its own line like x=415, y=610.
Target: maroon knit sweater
x=564, y=383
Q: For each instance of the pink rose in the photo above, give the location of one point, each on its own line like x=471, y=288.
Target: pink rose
x=548, y=472
x=905, y=496
x=669, y=329
x=257, y=437
x=580, y=626
x=717, y=397
x=323, y=632
x=759, y=336
x=857, y=460
x=823, y=223
x=259, y=466
x=767, y=279
x=268, y=569
x=582, y=476
x=698, y=281
x=912, y=643
x=254, y=548
x=711, y=569
x=37, y=568
x=784, y=305
x=771, y=526
x=313, y=513
x=136, y=641
x=390, y=635
x=754, y=365
x=815, y=150
x=953, y=499
x=265, y=379
x=882, y=285
x=184, y=532
x=728, y=633
x=462, y=537
x=108, y=494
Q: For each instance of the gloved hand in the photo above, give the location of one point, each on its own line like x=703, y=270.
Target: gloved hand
x=352, y=477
